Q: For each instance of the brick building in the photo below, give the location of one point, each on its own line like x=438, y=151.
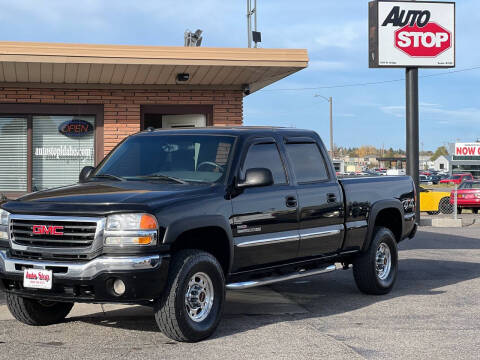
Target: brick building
x=65, y=106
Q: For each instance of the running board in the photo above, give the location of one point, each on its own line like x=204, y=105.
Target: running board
x=275, y=279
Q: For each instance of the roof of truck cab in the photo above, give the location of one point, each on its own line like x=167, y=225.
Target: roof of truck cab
x=234, y=130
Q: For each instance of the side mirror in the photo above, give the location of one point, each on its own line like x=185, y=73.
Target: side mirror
x=85, y=174
x=256, y=177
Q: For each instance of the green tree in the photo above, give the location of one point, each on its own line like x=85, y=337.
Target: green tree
x=441, y=150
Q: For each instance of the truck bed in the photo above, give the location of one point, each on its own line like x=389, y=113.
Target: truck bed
x=363, y=195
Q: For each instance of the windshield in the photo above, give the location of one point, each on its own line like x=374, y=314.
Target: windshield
x=455, y=177
x=470, y=185
x=169, y=158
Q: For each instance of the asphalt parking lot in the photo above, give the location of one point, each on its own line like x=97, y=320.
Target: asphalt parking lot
x=433, y=312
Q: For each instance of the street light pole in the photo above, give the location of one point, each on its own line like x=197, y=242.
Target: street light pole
x=332, y=146
x=330, y=101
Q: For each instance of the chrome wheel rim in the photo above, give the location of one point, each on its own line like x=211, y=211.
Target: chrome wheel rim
x=199, y=297
x=383, y=261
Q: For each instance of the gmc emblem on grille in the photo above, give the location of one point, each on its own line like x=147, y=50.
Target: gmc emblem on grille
x=47, y=230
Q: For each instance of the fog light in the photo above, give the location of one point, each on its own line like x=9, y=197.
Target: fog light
x=119, y=287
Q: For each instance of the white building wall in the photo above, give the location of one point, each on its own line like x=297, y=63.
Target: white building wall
x=441, y=160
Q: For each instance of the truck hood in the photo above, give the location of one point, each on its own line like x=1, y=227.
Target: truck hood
x=100, y=198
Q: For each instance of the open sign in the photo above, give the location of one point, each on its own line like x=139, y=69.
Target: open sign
x=75, y=128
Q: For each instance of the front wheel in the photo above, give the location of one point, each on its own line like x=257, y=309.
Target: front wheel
x=192, y=306
x=37, y=312
x=444, y=206
x=375, y=271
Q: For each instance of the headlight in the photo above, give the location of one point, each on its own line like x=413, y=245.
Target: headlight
x=4, y=217
x=4, y=224
x=131, y=230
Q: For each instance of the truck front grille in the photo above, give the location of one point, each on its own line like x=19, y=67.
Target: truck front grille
x=53, y=233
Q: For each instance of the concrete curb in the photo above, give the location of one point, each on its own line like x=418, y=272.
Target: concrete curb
x=448, y=222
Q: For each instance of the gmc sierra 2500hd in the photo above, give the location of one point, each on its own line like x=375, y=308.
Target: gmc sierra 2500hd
x=173, y=218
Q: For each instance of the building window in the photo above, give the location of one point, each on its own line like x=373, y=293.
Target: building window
x=13, y=154
x=61, y=147
x=39, y=152
x=442, y=166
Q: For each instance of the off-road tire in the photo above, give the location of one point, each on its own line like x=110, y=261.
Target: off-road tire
x=170, y=311
x=364, y=266
x=475, y=210
x=459, y=210
x=35, y=312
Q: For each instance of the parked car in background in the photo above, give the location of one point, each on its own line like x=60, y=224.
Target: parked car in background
x=435, y=202
x=468, y=196
x=434, y=179
x=395, y=172
x=425, y=180
x=457, y=178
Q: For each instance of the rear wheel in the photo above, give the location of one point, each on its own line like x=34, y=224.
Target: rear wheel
x=475, y=210
x=375, y=271
x=193, y=302
x=433, y=212
x=37, y=312
x=459, y=210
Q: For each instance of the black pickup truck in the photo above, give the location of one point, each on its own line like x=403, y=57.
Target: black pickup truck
x=173, y=218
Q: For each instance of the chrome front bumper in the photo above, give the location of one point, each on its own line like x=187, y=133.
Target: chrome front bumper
x=80, y=271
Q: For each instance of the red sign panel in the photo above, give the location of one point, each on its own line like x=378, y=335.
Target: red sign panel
x=427, y=41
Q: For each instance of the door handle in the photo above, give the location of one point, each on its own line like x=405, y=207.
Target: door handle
x=291, y=201
x=331, y=198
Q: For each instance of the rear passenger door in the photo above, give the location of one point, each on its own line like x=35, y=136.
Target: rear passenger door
x=320, y=198
x=264, y=223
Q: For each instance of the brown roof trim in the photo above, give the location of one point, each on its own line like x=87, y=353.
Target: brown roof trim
x=91, y=53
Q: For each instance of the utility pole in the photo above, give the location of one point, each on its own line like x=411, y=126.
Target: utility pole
x=412, y=130
x=252, y=35
x=330, y=101
x=249, y=23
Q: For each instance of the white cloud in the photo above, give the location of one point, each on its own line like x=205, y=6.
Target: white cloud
x=320, y=65
x=437, y=112
x=318, y=36
x=345, y=115
x=396, y=110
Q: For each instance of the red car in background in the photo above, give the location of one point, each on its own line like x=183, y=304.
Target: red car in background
x=457, y=179
x=468, y=196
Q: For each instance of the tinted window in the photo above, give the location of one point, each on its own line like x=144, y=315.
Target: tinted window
x=307, y=162
x=201, y=158
x=266, y=156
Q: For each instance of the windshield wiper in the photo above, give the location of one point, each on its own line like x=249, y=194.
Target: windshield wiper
x=109, y=176
x=162, y=177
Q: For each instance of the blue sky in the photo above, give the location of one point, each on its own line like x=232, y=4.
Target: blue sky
x=335, y=34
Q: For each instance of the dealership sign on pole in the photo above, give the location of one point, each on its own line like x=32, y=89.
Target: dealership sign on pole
x=411, y=34
x=467, y=150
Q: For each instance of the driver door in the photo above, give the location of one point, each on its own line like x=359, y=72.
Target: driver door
x=264, y=222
